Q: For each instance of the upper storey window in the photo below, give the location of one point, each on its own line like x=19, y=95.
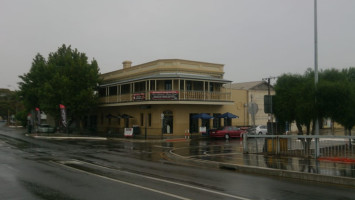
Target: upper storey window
x=212, y=87
x=139, y=87
x=168, y=85
x=126, y=89
x=113, y=90
x=188, y=85
x=198, y=85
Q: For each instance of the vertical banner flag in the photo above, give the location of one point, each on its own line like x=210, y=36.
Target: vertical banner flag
x=63, y=115
x=38, y=114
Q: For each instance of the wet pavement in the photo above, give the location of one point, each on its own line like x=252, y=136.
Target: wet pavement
x=229, y=153
x=111, y=168
x=232, y=152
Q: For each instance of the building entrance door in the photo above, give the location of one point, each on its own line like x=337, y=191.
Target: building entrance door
x=168, y=122
x=193, y=123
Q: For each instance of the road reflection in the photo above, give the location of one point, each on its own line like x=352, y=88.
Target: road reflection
x=232, y=152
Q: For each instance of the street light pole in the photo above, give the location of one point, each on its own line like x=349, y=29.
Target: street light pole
x=316, y=127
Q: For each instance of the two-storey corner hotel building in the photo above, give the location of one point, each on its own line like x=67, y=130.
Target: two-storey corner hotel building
x=158, y=99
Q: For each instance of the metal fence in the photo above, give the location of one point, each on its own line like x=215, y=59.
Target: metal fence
x=301, y=145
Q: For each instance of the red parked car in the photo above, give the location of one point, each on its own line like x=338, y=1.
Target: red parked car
x=227, y=132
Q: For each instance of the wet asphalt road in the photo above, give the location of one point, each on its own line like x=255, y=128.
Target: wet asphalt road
x=110, y=169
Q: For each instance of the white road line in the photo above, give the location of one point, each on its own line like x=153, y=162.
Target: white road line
x=69, y=138
x=171, y=182
x=158, y=146
x=220, y=154
x=126, y=183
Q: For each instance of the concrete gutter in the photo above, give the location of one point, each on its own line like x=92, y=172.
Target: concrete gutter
x=346, y=181
x=78, y=137
x=66, y=137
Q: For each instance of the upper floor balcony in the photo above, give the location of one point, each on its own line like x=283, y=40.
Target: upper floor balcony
x=165, y=91
x=169, y=97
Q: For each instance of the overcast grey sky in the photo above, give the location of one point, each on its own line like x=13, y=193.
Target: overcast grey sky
x=252, y=38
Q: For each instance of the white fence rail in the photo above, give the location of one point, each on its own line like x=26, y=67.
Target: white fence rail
x=301, y=145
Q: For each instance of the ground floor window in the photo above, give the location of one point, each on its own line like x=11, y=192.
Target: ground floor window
x=149, y=119
x=126, y=122
x=227, y=122
x=206, y=123
x=168, y=122
x=216, y=120
x=193, y=123
x=142, y=119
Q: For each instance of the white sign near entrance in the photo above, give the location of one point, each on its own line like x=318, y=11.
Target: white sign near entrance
x=202, y=129
x=128, y=132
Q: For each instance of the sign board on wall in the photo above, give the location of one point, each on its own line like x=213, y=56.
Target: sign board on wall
x=139, y=96
x=128, y=132
x=202, y=129
x=164, y=95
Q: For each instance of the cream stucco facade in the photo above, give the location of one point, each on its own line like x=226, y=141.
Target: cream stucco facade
x=160, y=98
x=254, y=93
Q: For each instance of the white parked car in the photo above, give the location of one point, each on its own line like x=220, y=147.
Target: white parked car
x=45, y=128
x=261, y=130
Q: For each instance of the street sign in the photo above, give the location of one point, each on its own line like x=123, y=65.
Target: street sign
x=253, y=108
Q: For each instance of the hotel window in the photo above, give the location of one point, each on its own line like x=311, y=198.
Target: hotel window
x=113, y=90
x=139, y=87
x=211, y=87
x=149, y=119
x=126, y=89
x=198, y=85
x=152, y=85
x=168, y=85
x=142, y=119
x=188, y=85
x=216, y=120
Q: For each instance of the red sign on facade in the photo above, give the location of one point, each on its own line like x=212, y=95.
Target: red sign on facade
x=164, y=95
x=139, y=97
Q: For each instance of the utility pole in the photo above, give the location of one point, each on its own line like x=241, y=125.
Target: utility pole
x=270, y=118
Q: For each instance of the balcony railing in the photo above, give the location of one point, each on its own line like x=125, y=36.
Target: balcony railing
x=167, y=96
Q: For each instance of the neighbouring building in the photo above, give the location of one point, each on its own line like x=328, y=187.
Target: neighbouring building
x=254, y=93
x=159, y=99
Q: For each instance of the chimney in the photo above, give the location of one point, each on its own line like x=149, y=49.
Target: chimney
x=127, y=64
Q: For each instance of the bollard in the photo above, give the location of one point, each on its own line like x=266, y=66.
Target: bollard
x=187, y=134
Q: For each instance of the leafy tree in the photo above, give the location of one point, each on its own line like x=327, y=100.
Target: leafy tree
x=294, y=100
x=32, y=82
x=297, y=100
x=5, y=102
x=10, y=103
x=65, y=78
x=336, y=94
x=348, y=120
